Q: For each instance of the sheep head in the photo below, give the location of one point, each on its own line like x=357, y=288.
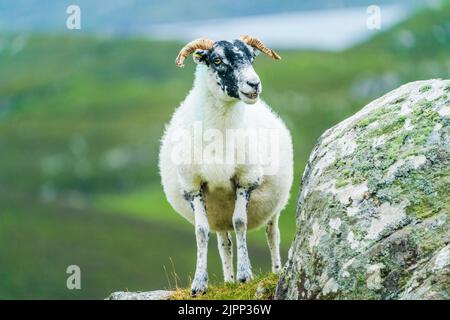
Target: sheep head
x=230, y=73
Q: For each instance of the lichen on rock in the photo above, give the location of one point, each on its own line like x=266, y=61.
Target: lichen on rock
x=374, y=204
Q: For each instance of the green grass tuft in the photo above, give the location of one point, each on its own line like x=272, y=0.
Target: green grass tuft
x=263, y=284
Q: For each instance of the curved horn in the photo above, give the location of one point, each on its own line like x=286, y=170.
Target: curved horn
x=201, y=43
x=256, y=43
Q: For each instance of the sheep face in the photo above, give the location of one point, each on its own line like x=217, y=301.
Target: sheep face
x=230, y=73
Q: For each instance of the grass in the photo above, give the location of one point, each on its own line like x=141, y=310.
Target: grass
x=261, y=288
x=115, y=252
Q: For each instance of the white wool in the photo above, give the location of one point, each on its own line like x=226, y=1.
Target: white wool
x=202, y=105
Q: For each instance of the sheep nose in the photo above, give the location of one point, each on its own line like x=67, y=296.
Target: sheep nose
x=254, y=84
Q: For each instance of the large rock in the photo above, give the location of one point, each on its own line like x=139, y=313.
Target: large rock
x=373, y=210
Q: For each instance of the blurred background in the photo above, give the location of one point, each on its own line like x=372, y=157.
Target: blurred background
x=82, y=113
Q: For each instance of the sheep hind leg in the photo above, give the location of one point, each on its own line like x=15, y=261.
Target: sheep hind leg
x=273, y=240
x=200, y=282
x=226, y=255
x=244, y=269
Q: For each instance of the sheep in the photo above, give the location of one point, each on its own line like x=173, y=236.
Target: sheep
x=218, y=192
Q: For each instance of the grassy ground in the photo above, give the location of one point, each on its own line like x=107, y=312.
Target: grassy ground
x=80, y=123
x=261, y=288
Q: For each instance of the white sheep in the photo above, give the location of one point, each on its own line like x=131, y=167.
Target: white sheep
x=226, y=159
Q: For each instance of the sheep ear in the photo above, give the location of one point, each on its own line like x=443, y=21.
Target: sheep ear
x=200, y=56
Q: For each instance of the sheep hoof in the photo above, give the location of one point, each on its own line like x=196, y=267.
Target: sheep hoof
x=244, y=276
x=197, y=292
x=199, y=286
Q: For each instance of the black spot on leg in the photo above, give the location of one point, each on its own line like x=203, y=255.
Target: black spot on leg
x=204, y=232
x=191, y=196
x=188, y=196
x=246, y=191
x=239, y=224
x=269, y=228
x=229, y=240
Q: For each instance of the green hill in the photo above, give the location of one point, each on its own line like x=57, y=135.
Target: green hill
x=80, y=123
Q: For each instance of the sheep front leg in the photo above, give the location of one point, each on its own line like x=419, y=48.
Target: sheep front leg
x=273, y=240
x=244, y=269
x=196, y=200
x=226, y=254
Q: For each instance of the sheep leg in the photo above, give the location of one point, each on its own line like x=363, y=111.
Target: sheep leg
x=273, y=240
x=196, y=200
x=226, y=255
x=244, y=269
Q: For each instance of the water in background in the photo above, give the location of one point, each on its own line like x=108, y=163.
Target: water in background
x=333, y=29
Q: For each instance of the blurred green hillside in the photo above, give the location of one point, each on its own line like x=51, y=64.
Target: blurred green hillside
x=80, y=123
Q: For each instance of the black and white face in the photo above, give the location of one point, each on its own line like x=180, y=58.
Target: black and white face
x=230, y=71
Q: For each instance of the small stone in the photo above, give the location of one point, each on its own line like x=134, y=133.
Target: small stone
x=260, y=291
x=148, y=295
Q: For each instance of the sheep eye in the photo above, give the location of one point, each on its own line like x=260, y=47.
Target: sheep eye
x=217, y=61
